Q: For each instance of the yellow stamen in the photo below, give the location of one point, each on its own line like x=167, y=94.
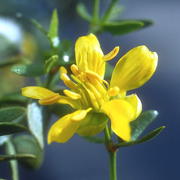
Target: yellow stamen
x=75, y=70
x=72, y=94
x=50, y=100
x=111, y=54
x=81, y=115
x=113, y=91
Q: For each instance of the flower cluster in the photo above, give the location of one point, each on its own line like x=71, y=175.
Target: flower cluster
x=92, y=97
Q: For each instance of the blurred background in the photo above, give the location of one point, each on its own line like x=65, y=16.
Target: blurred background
x=79, y=160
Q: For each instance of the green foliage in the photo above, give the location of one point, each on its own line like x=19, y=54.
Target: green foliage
x=15, y=97
x=30, y=70
x=51, y=62
x=35, y=122
x=11, y=128
x=16, y=157
x=27, y=144
x=146, y=138
x=142, y=122
x=82, y=11
x=12, y=114
x=53, y=29
x=125, y=26
x=10, y=119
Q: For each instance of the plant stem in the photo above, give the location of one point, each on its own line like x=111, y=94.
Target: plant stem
x=108, y=12
x=96, y=11
x=112, y=165
x=13, y=163
x=112, y=154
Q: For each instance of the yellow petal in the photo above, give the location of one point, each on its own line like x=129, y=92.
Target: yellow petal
x=64, y=128
x=36, y=92
x=134, y=68
x=120, y=113
x=89, y=56
x=134, y=100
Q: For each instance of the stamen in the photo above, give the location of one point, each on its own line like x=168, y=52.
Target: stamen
x=80, y=116
x=75, y=70
x=50, y=100
x=111, y=54
x=92, y=76
x=72, y=94
x=113, y=91
x=68, y=82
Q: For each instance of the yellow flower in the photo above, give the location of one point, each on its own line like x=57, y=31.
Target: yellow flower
x=92, y=97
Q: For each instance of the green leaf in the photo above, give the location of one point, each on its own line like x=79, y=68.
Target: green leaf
x=12, y=114
x=94, y=139
x=39, y=27
x=142, y=122
x=93, y=124
x=53, y=29
x=51, y=62
x=10, y=128
x=31, y=70
x=13, y=97
x=125, y=26
x=82, y=11
x=146, y=138
x=7, y=62
x=35, y=122
x=27, y=144
x=16, y=157
x=116, y=11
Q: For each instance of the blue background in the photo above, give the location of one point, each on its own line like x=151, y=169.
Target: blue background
x=156, y=160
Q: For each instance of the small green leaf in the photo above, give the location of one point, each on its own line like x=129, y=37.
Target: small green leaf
x=35, y=122
x=142, y=122
x=11, y=128
x=27, y=144
x=53, y=29
x=82, y=11
x=51, y=62
x=39, y=27
x=93, y=124
x=125, y=26
x=94, y=139
x=12, y=114
x=146, y=138
x=16, y=157
x=31, y=70
x=116, y=11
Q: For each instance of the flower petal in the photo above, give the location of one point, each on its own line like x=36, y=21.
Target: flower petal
x=120, y=113
x=36, y=92
x=64, y=128
x=134, y=68
x=89, y=56
x=134, y=100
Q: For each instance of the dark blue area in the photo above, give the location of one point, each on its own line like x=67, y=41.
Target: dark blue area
x=156, y=160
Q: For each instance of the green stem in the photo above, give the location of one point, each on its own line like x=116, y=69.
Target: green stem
x=13, y=163
x=112, y=154
x=96, y=11
x=112, y=165
x=109, y=10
